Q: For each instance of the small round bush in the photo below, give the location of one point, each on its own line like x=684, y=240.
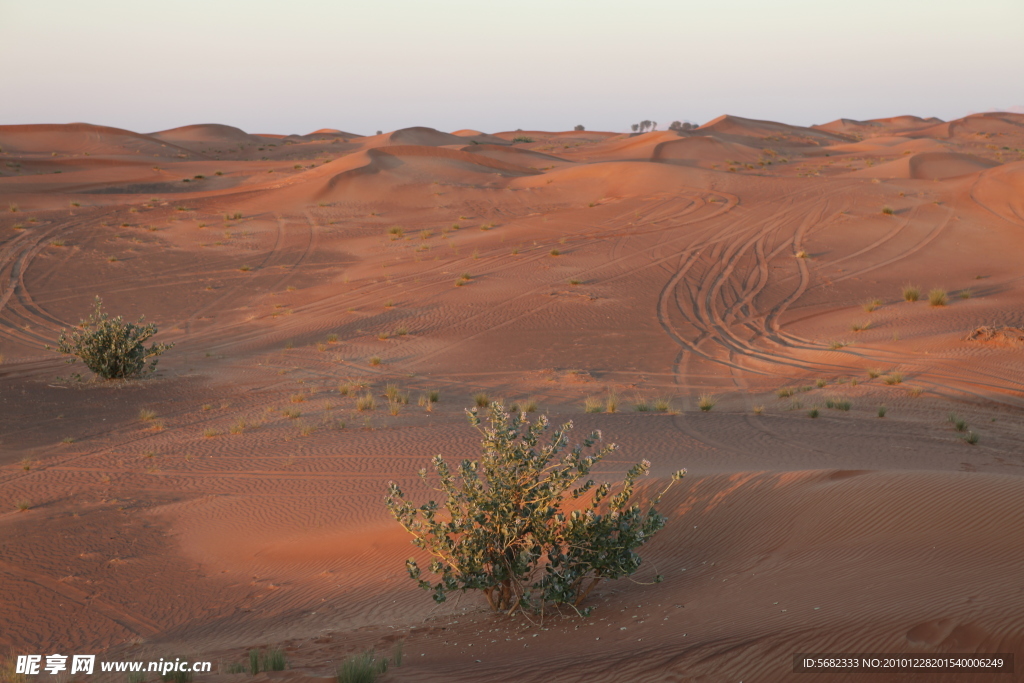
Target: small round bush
x=110, y=347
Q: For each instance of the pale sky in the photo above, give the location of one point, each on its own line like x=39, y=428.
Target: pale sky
x=295, y=66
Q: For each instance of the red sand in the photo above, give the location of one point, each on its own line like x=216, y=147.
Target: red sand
x=734, y=259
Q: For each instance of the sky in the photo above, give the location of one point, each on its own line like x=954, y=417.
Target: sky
x=491, y=65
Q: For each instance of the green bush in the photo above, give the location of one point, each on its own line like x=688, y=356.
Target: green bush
x=502, y=529
x=112, y=348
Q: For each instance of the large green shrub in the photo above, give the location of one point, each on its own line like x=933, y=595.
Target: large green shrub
x=110, y=347
x=524, y=523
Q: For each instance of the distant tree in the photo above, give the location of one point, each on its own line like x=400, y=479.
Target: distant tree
x=654, y=125
x=380, y=132
x=635, y=126
x=579, y=128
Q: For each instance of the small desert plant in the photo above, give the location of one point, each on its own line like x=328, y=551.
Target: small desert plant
x=611, y=404
x=812, y=413
x=138, y=676
x=297, y=398
x=395, y=232
x=914, y=392
x=528, y=406
x=838, y=404
x=784, y=392
x=802, y=254
x=860, y=327
x=112, y=348
x=894, y=378
x=836, y=345
x=482, y=400
x=503, y=530
x=362, y=668
x=147, y=415
x=555, y=252
x=68, y=439
x=402, y=331
x=874, y=372
x=522, y=138
x=210, y=432
x=592, y=404
x=911, y=292
x=966, y=293
x=292, y=413
x=881, y=411
x=662, y=405
x=239, y=427
x=872, y=305
x=574, y=281
x=391, y=391
x=820, y=383
x=970, y=437
x=23, y=505
x=887, y=210
x=374, y=360
x=365, y=402
x=706, y=402
x=641, y=405
x=332, y=339
x=758, y=410
x=235, y=668
x=959, y=424
x=938, y=297
x=433, y=395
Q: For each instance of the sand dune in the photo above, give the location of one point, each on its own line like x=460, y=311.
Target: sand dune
x=928, y=166
x=834, y=502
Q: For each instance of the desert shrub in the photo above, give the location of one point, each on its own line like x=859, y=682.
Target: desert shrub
x=706, y=402
x=887, y=210
x=579, y=127
x=881, y=411
x=362, y=668
x=521, y=138
x=112, y=348
x=937, y=297
x=503, y=529
x=482, y=399
x=592, y=404
x=911, y=293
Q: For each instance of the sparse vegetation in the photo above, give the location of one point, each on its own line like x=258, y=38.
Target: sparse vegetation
x=874, y=372
x=592, y=404
x=521, y=138
x=821, y=383
x=812, y=413
x=872, y=305
x=482, y=400
x=838, y=404
x=860, y=327
x=375, y=360
x=292, y=413
x=662, y=405
x=555, y=252
x=112, y=348
x=23, y=505
x=611, y=403
x=758, y=410
x=911, y=293
x=706, y=402
x=504, y=531
x=966, y=293
x=147, y=415
x=365, y=402
x=784, y=392
x=362, y=668
x=894, y=378
x=881, y=411
x=938, y=297
x=887, y=210
x=971, y=438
